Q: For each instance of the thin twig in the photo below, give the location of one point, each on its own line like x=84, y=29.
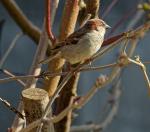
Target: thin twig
x=115, y=104
x=34, y=70
x=39, y=55
x=98, y=68
x=10, y=48
x=12, y=75
x=132, y=47
x=52, y=99
x=67, y=27
x=146, y=78
x=125, y=45
x=54, y=6
x=7, y=104
x=139, y=14
x=139, y=63
x=145, y=27
x=48, y=74
x=92, y=8
x=98, y=54
x=49, y=23
x=64, y=81
x=100, y=82
x=107, y=120
x=14, y=78
x=115, y=72
x=130, y=52
x=31, y=125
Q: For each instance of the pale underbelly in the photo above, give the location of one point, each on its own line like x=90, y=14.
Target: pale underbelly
x=78, y=54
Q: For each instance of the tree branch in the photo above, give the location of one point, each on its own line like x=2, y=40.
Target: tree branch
x=16, y=13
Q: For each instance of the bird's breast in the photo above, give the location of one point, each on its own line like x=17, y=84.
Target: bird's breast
x=92, y=42
x=84, y=49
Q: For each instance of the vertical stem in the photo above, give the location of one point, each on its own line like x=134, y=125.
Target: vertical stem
x=48, y=21
x=69, y=19
x=64, y=100
x=35, y=70
x=39, y=55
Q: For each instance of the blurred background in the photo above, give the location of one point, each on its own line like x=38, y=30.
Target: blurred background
x=134, y=103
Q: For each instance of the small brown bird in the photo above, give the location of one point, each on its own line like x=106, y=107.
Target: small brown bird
x=82, y=44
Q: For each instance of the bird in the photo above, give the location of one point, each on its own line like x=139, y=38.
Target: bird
x=82, y=44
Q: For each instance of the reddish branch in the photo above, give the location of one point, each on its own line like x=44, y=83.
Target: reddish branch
x=110, y=41
x=69, y=19
x=48, y=21
x=32, y=31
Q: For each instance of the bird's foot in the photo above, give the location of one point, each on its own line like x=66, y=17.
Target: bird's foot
x=89, y=61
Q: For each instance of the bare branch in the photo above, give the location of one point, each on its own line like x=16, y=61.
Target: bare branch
x=10, y=74
x=138, y=62
x=67, y=27
x=54, y=6
x=108, y=118
x=100, y=82
x=7, y=104
x=48, y=21
x=39, y=55
x=14, y=78
x=10, y=48
x=16, y=13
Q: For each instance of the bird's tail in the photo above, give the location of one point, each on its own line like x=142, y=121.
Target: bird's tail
x=45, y=61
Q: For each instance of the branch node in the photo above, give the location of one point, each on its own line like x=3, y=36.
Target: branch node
x=101, y=80
x=123, y=60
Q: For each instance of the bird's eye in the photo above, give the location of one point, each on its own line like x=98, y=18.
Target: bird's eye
x=88, y=25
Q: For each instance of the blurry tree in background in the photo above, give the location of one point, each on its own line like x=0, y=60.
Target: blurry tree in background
x=49, y=93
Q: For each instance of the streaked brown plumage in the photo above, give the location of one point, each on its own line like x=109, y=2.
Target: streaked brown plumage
x=83, y=43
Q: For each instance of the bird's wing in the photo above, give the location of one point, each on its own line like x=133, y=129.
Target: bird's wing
x=71, y=39
x=75, y=37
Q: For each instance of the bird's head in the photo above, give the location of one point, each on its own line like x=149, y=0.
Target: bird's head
x=96, y=24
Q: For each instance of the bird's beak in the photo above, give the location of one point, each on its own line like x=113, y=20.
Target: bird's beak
x=107, y=26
